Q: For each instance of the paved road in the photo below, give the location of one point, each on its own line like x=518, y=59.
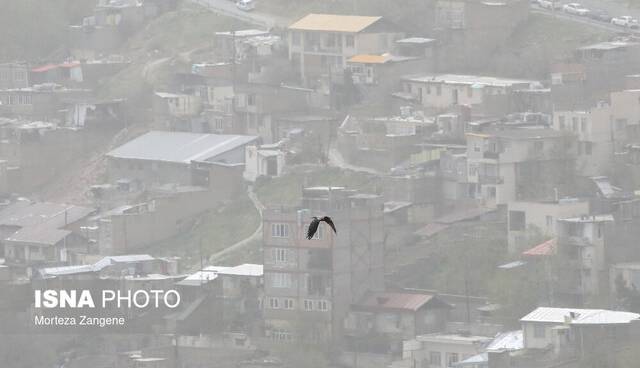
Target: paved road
x=257, y=18
x=585, y=20
x=257, y=235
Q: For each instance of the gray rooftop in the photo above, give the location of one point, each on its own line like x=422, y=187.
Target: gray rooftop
x=179, y=147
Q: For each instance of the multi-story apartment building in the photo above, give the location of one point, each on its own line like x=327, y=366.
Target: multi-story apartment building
x=322, y=43
x=309, y=285
x=582, y=245
x=505, y=164
x=594, y=131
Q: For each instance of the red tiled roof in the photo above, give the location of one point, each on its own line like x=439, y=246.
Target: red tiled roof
x=44, y=68
x=401, y=301
x=47, y=67
x=544, y=249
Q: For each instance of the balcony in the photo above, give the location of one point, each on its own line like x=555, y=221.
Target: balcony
x=491, y=155
x=490, y=179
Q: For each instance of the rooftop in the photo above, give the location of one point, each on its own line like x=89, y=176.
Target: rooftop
x=453, y=338
x=520, y=133
x=596, y=218
x=179, y=147
x=546, y=248
x=474, y=80
x=397, y=301
x=577, y=316
x=211, y=273
x=334, y=23
x=26, y=213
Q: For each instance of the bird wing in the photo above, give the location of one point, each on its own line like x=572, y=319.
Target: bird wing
x=313, y=227
x=328, y=220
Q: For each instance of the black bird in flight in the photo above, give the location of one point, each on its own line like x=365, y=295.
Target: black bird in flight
x=313, y=226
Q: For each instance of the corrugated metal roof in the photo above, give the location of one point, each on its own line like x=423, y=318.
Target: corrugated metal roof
x=511, y=340
x=546, y=248
x=24, y=213
x=179, y=147
x=400, y=301
x=580, y=316
x=334, y=23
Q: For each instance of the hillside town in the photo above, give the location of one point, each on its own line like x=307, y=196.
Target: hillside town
x=481, y=162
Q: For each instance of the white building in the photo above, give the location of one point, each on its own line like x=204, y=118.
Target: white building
x=443, y=91
x=263, y=161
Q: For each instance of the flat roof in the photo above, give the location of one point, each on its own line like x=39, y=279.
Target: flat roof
x=179, y=147
x=609, y=45
x=580, y=316
x=454, y=338
x=480, y=81
x=334, y=23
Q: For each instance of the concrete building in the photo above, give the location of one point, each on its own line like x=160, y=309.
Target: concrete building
x=175, y=157
x=267, y=161
x=321, y=43
x=14, y=75
x=583, y=244
x=43, y=233
x=311, y=284
x=527, y=220
x=441, y=92
x=505, y=163
x=442, y=350
x=574, y=332
x=595, y=134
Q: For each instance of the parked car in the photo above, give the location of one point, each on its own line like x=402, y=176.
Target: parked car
x=576, y=9
x=246, y=5
x=601, y=15
x=625, y=21
x=550, y=4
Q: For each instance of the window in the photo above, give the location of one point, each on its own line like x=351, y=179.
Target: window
x=273, y=303
x=295, y=38
x=322, y=305
x=517, y=220
x=288, y=304
x=280, y=280
x=331, y=40
x=19, y=75
x=280, y=255
x=561, y=121
x=539, y=331
x=350, y=41
x=251, y=100
x=439, y=90
x=574, y=123
x=279, y=230
x=588, y=148
x=308, y=305
x=583, y=125
x=452, y=358
x=538, y=145
x=549, y=220
x=435, y=358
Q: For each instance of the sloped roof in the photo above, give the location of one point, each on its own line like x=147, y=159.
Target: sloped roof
x=397, y=301
x=580, y=316
x=510, y=340
x=179, y=147
x=334, y=23
x=546, y=248
x=369, y=59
